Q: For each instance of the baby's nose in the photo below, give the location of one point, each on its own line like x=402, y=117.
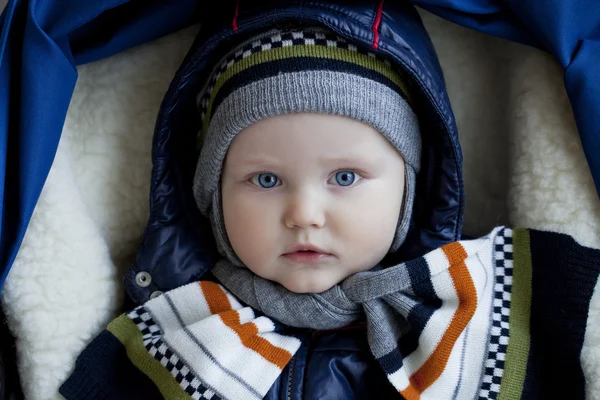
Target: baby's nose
x=305, y=210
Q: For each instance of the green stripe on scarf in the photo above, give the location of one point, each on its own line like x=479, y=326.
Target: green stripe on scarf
x=131, y=337
x=281, y=53
x=517, y=353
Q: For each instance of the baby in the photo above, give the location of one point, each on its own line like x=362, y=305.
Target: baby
x=310, y=150
x=310, y=199
x=308, y=165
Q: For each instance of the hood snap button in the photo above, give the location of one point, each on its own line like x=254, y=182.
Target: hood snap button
x=143, y=279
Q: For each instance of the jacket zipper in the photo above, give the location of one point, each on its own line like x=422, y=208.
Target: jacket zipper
x=290, y=377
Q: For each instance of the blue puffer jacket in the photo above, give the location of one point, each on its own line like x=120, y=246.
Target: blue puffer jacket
x=178, y=246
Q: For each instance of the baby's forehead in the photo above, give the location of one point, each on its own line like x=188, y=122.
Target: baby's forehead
x=293, y=138
x=303, y=144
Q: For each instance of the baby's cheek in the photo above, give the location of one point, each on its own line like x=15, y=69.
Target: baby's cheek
x=367, y=232
x=249, y=228
x=368, y=216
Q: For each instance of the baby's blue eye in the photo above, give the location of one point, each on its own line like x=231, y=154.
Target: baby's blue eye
x=265, y=180
x=346, y=178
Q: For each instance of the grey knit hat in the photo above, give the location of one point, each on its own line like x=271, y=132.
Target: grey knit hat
x=293, y=71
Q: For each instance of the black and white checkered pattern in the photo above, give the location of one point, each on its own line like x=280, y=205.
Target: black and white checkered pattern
x=180, y=371
x=279, y=39
x=151, y=336
x=494, y=365
x=143, y=320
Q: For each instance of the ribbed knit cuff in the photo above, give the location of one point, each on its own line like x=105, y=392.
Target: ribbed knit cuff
x=579, y=268
x=584, y=262
x=564, y=276
x=104, y=371
x=82, y=384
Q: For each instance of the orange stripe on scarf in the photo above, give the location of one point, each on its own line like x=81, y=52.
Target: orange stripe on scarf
x=218, y=303
x=215, y=297
x=467, y=303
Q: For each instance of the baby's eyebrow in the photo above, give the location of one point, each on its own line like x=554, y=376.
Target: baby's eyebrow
x=257, y=161
x=345, y=160
x=351, y=160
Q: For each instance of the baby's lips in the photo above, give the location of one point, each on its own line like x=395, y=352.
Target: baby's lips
x=306, y=257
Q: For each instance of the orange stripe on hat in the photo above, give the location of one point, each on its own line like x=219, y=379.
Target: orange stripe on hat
x=467, y=303
x=218, y=303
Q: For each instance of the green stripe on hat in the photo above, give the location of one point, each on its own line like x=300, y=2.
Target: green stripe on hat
x=298, y=51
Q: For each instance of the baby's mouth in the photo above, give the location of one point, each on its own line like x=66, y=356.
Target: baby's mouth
x=306, y=256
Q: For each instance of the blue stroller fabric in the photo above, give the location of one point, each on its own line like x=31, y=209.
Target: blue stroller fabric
x=41, y=42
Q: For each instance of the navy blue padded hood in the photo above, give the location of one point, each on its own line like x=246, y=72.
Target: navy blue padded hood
x=178, y=246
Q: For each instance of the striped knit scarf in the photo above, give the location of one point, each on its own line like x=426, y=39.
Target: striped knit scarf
x=432, y=322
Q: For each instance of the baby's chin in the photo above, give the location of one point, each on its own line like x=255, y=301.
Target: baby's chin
x=310, y=285
x=314, y=280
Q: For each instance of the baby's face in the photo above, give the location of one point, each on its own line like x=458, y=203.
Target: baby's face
x=310, y=199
